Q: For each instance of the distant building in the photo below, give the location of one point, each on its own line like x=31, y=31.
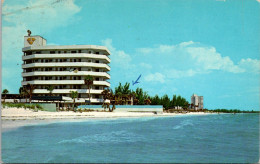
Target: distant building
x=196, y=102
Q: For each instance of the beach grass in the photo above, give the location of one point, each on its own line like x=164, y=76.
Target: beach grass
x=34, y=107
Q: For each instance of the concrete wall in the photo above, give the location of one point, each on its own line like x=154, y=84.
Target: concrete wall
x=51, y=107
x=127, y=108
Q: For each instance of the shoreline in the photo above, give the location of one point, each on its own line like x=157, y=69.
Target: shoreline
x=13, y=118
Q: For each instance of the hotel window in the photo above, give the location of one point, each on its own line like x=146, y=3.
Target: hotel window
x=28, y=53
x=89, y=52
x=65, y=52
x=75, y=60
x=97, y=52
x=52, y=52
x=73, y=52
x=38, y=52
x=97, y=79
x=58, y=52
x=79, y=51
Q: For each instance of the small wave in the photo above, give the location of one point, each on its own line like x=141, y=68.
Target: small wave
x=76, y=140
x=183, y=124
x=111, y=137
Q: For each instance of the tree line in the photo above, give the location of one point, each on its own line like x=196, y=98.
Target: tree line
x=141, y=97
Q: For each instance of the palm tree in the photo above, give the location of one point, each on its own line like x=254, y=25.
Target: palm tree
x=74, y=95
x=29, y=89
x=50, y=88
x=106, y=94
x=147, y=101
x=133, y=98
x=112, y=99
x=118, y=98
x=5, y=91
x=22, y=93
x=88, y=81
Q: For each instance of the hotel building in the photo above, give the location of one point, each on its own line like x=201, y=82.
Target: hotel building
x=197, y=101
x=65, y=67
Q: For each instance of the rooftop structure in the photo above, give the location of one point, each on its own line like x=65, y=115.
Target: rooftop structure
x=65, y=67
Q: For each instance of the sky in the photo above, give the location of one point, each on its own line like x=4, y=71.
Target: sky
x=207, y=47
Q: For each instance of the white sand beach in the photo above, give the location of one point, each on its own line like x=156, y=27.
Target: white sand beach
x=16, y=117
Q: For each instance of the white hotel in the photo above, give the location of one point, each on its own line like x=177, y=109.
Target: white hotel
x=65, y=67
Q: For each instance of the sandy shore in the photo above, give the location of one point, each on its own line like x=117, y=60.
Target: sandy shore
x=16, y=117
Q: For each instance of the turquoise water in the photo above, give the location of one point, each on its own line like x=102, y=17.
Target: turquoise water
x=210, y=138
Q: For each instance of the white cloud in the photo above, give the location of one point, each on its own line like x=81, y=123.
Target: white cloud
x=209, y=59
x=184, y=44
x=190, y=58
x=156, y=77
x=146, y=66
x=166, y=48
x=173, y=73
x=144, y=50
x=118, y=57
x=251, y=65
x=40, y=17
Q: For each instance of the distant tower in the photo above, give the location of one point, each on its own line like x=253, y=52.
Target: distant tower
x=197, y=102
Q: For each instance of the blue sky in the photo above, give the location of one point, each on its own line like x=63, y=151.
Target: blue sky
x=210, y=48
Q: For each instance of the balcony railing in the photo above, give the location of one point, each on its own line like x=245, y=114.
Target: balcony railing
x=66, y=64
x=67, y=55
x=67, y=91
x=66, y=73
x=61, y=82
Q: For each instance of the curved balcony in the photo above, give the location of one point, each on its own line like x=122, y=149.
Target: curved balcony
x=63, y=82
x=65, y=73
x=65, y=56
x=67, y=64
x=63, y=91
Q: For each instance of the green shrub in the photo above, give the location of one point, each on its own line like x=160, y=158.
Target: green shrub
x=23, y=105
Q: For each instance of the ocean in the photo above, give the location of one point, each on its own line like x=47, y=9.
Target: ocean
x=225, y=138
